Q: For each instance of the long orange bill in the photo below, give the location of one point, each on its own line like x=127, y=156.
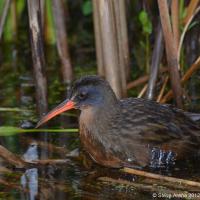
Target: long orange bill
x=64, y=106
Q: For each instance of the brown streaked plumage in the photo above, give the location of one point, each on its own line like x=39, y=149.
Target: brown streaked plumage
x=128, y=132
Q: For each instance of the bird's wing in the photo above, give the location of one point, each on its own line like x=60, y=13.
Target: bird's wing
x=143, y=125
x=193, y=116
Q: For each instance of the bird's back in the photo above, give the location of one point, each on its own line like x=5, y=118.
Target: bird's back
x=143, y=126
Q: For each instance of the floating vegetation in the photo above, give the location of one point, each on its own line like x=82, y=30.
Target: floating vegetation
x=4, y=109
x=11, y=130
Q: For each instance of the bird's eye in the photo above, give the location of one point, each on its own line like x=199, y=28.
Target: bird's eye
x=82, y=95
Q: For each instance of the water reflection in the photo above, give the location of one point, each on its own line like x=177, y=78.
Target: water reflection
x=162, y=159
x=29, y=180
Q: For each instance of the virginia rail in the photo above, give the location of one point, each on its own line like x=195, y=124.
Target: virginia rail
x=129, y=132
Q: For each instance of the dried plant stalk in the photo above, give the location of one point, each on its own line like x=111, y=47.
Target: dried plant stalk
x=171, y=52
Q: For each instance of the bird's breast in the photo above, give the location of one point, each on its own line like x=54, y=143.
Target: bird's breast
x=96, y=149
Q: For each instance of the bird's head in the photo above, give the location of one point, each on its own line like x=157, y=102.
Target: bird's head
x=87, y=92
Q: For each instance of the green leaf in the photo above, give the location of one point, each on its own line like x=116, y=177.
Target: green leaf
x=145, y=22
x=20, y=7
x=87, y=7
x=50, y=36
x=182, y=9
x=7, y=109
x=8, y=28
x=8, y=130
x=11, y=130
x=2, y=3
x=193, y=24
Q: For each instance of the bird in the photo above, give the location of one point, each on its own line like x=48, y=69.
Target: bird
x=129, y=132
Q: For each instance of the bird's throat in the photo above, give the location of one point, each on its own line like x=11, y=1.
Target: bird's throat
x=100, y=117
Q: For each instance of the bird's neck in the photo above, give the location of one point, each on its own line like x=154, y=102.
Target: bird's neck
x=95, y=119
x=95, y=125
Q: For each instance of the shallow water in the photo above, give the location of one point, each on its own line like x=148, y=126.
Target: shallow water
x=76, y=179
